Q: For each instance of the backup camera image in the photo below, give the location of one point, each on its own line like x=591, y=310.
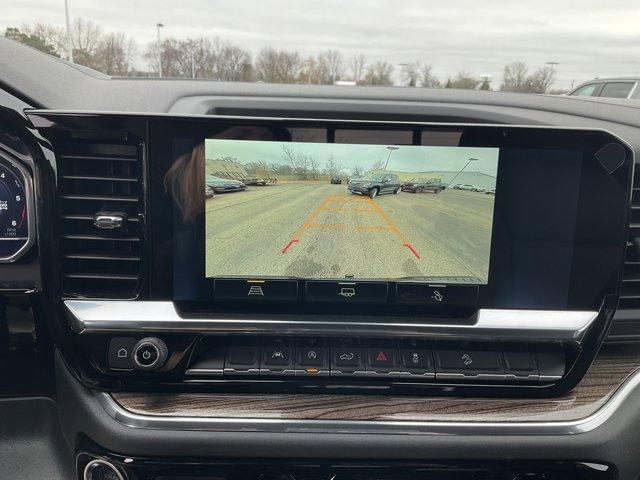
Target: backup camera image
x=323, y=210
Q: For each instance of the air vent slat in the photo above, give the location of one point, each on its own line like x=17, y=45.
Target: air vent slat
x=79, y=216
x=99, y=178
x=90, y=158
x=102, y=276
x=101, y=256
x=630, y=294
x=105, y=198
x=96, y=177
x=106, y=237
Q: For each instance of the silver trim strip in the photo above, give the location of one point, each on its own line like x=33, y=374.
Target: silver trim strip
x=553, y=428
x=100, y=316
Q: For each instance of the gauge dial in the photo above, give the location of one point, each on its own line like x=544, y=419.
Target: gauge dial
x=14, y=212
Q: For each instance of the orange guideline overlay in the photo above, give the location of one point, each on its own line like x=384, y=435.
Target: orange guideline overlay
x=329, y=205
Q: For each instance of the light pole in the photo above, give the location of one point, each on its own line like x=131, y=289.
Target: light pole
x=69, y=45
x=391, y=149
x=465, y=166
x=158, y=27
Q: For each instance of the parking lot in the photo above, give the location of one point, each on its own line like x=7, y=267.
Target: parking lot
x=313, y=229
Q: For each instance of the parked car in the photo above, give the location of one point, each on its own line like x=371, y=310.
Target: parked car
x=261, y=182
x=222, y=185
x=419, y=185
x=208, y=191
x=464, y=186
x=336, y=181
x=375, y=185
x=491, y=191
x=622, y=87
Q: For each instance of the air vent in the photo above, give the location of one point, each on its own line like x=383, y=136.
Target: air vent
x=93, y=179
x=630, y=297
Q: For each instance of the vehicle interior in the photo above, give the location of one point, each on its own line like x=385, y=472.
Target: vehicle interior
x=202, y=279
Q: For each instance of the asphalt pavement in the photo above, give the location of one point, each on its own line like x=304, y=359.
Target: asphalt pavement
x=318, y=230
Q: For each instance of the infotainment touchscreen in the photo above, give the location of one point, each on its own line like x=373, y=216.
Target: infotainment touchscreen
x=325, y=216
x=334, y=211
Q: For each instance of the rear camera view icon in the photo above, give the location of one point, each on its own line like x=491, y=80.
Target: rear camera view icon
x=347, y=292
x=255, y=290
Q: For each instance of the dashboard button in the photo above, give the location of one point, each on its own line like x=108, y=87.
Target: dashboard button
x=312, y=357
x=551, y=364
x=120, y=353
x=346, y=292
x=242, y=358
x=416, y=358
x=256, y=290
x=150, y=353
x=437, y=295
x=382, y=357
x=519, y=365
x=346, y=357
x=455, y=360
x=277, y=357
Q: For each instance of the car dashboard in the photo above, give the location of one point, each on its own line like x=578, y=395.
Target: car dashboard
x=185, y=294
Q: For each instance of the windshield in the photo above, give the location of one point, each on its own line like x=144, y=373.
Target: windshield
x=531, y=47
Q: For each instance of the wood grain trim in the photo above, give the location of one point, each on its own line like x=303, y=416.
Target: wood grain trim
x=609, y=370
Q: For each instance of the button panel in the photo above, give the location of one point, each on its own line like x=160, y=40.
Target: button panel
x=391, y=359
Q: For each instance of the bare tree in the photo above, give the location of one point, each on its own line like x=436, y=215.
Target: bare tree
x=114, y=55
x=85, y=40
x=427, y=78
x=357, y=171
x=411, y=74
x=357, y=64
x=380, y=73
x=314, y=167
x=277, y=66
x=315, y=70
x=463, y=80
x=514, y=77
x=334, y=61
x=332, y=167
x=49, y=34
x=541, y=80
x=418, y=74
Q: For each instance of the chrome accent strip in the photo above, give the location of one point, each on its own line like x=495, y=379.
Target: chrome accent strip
x=100, y=316
x=396, y=427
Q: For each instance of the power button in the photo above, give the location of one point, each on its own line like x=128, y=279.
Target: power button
x=150, y=354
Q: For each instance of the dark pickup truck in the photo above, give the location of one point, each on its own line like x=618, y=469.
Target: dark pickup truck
x=419, y=185
x=375, y=185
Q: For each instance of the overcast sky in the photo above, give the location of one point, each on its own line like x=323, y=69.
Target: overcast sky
x=589, y=38
x=404, y=159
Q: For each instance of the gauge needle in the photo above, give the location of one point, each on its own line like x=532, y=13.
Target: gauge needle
x=24, y=209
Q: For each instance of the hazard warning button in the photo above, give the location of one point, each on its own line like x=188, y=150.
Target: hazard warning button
x=381, y=357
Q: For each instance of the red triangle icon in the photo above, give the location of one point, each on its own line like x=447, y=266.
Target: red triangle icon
x=381, y=357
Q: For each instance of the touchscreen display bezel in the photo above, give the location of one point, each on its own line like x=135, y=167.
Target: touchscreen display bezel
x=585, y=284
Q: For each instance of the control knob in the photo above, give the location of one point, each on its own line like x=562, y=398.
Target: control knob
x=150, y=353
